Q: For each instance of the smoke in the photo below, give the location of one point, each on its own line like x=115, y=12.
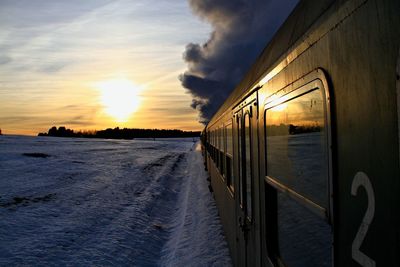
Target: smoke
x=241, y=29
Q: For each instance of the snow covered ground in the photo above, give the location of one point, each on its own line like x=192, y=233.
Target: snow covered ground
x=106, y=202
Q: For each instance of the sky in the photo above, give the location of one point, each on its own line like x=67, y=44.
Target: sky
x=95, y=64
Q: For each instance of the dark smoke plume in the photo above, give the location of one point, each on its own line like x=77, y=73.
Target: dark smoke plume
x=241, y=29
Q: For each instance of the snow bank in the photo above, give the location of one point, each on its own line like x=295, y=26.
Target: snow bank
x=196, y=238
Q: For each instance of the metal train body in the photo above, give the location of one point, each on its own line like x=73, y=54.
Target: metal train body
x=304, y=154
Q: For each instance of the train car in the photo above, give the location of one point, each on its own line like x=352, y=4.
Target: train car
x=304, y=154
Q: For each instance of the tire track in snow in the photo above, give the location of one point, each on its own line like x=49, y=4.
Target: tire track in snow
x=139, y=228
x=96, y=219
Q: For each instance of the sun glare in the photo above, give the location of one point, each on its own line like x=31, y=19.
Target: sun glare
x=120, y=98
x=280, y=107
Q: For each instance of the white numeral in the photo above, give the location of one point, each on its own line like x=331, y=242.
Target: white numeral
x=361, y=179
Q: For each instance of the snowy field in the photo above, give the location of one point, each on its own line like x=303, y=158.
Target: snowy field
x=106, y=202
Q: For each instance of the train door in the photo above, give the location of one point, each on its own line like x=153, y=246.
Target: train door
x=239, y=207
x=247, y=196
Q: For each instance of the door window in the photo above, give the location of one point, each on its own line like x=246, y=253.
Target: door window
x=221, y=152
x=248, y=169
x=240, y=135
x=229, y=156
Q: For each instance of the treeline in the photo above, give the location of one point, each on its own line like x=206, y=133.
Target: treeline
x=118, y=133
x=284, y=129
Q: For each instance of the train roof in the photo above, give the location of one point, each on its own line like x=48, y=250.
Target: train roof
x=303, y=17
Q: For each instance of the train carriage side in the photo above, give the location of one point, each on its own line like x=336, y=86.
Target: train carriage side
x=315, y=175
x=220, y=166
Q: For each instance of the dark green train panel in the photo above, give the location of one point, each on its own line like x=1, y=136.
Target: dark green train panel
x=304, y=154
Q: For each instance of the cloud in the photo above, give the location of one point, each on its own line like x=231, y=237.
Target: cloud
x=241, y=29
x=39, y=41
x=40, y=13
x=76, y=121
x=5, y=60
x=53, y=68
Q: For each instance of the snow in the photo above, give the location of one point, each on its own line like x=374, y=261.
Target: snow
x=106, y=202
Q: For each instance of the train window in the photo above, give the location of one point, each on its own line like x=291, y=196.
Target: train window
x=209, y=142
x=213, y=145
x=217, y=147
x=213, y=134
x=214, y=139
x=298, y=168
x=218, y=138
x=221, y=152
x=229, y=156
x=229, y=140
x=221, y=138
x=297, y=154
x=220, y=135
x=248, y=169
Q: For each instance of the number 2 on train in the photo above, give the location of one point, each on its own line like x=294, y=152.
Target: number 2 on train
x=362, y=180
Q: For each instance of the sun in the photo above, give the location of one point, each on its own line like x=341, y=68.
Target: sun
x=119, y=97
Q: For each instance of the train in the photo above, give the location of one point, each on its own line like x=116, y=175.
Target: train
x=304, y=155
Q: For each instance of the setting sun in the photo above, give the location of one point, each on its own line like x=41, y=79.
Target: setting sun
x=120, y=98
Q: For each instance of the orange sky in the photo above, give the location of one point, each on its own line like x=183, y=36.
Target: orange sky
x=95, y=65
